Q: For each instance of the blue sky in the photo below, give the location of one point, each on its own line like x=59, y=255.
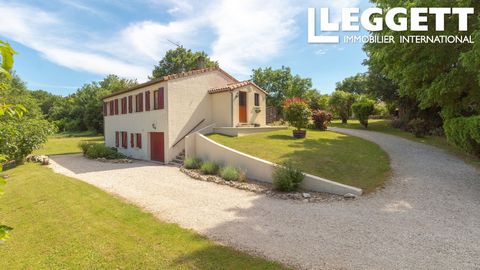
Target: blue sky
x=63, y=44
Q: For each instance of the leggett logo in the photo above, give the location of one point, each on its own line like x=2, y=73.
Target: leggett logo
x=396, y=19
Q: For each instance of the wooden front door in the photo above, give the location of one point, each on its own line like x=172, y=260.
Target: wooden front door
x=157, y=150
x=242, y=102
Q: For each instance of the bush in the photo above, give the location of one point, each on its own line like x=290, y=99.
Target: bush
x=231, y=173
x=19, y=137
x=381, y=110
x=287, y=177
x=399, y=123
x=464, y=132
x=192, y=163
x=363, y=108
x=209, y=167
x=341, y=102
x=321, y=119
x=297, y=112
x=98, y=150
x=85, y=145
x=418, y=127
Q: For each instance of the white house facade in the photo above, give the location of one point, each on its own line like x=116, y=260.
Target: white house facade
x=151, y=120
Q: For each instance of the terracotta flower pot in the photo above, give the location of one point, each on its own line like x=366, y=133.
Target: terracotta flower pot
x=299, y=134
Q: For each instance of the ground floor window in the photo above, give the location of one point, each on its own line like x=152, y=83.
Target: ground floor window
x=124, y=139
x=132, y=140
x=117, y=139
x=139, y=140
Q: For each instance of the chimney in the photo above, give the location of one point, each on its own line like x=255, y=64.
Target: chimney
x=200, y=62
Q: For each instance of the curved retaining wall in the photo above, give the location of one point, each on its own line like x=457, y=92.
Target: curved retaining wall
x=200, y=146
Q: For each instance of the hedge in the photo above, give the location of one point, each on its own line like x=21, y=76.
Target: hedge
x=464, y=132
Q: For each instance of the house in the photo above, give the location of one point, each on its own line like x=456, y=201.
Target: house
x=150, y=121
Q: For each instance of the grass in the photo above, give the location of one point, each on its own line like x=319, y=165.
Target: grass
x=63, y=223
x=338, y=157
x=382, y=125
x=66, y=143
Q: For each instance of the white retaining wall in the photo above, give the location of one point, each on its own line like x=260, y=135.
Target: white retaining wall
x=200, y=146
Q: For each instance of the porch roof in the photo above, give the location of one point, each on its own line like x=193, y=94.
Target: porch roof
x=233, y=86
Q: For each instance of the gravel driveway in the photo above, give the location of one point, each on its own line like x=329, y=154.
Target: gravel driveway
x=427, y=217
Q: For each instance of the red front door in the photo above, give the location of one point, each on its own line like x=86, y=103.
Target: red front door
x=242, y=102
x=157, y=150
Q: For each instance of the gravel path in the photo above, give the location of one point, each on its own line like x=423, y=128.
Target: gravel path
x=427, y=217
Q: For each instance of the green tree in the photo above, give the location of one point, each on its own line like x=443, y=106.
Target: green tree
x=280, y=85
x=443, y=76
x=317, y=101
x=45, y=100
x=180, y=60
x=357, y=84
x=340, y=102
x=363, y=107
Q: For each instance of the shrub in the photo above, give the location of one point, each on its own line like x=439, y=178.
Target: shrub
x=363, y=108
x=321, y=119
x=85, y=145
x=464, y=132
x=231, y=173
x=340, y=102
x=297, y=112
x=417, y=127
x=19, y=137
x=209, y=167
x=192, y=163
x=287, y=177
x=381, y=110
x=98, y=150
x=399, y=123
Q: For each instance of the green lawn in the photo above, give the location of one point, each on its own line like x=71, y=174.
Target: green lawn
x=338, y=157
x=381, y=125
x=66, y=143
x=63, y=223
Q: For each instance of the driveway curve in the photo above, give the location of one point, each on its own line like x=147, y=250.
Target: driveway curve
x=427, y=216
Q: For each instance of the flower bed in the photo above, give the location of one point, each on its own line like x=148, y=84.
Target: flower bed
x=263, y=188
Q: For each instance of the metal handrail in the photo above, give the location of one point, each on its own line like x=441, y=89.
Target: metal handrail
x=199, y=123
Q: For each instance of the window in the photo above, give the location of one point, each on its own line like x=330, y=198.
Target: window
x=116, y=106
x=132, y=140
x=111, y=107
x=158, y=99
x=130, y=104
x=117, y=139
x=124, y=105
x=257, y=99
x=139, y=102
x=124, y=139
x=139, y=140
x=105, y=108
x=147, y=101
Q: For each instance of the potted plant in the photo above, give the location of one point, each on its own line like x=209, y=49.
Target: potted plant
x=297, y=113
x=258, y=109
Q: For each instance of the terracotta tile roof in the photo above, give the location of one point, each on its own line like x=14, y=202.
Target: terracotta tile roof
x=171, y=77
x=233, y=86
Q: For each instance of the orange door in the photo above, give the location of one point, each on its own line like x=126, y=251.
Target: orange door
x=242, y=102
x=157, y=150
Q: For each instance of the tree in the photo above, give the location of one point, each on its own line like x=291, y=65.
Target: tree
x=357, y=84
x=341, y=103
x=45, y=100
x=280, y=85
x=363, y=108
x=442, y=77
x=316, y=101
x=180, y=60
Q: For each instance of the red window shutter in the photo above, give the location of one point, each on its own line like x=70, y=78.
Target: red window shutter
x=104, y=108
x=124, y=105
x=147, y=101
x=161, y=98
x=124, y=139
x=111, y=107
x=140, y=102
x=155, y=100
x=117, y=143
x=132, y=140
x=130, y=104
x=116, y=106
x=139, y=140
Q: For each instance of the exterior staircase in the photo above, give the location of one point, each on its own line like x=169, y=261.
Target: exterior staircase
x=178, y=160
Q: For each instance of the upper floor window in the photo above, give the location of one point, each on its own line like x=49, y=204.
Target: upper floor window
x=158, y=99
x=111, y=107
x=105, y=108
x=139, y=102
x=130, y=104
x=116, y=106
x=124, y=105
x=257, y=99
x=147, y=101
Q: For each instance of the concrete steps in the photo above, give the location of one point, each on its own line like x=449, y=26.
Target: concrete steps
x=178, y=160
